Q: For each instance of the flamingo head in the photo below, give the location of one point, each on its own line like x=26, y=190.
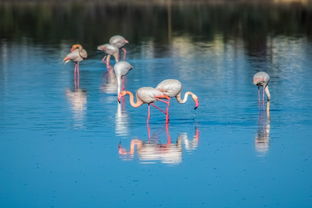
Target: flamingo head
x=121, y=94
x=196, y=103
x=75, y=46
x=126, y=41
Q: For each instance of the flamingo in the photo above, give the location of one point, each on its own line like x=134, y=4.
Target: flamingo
x=110, y=50
x=173, y=88
x=147, y=95
x=262, y=79
x=121, y=69
x=77, y=54
x=119, y=42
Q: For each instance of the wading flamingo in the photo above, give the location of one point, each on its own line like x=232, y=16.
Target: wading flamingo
x=77, y=54
x=110, y=50
x=121, y=69
x=173, y=88
x=119, y=42
x=147, y=95
x=262, y=79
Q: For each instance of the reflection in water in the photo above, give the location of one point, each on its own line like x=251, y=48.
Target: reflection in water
x=153, y=150
x=121, y=120
x=263, y=133
x=78, y=101
x=110, y=82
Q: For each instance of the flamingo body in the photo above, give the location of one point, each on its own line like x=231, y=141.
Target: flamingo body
x=76, y=55
x=118, y=41
x=173, y=88
x=148, y=94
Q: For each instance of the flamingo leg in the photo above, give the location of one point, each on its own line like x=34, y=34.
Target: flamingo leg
x=123, y=83
x=78, y=75
x=148, y=131
x=124, y=53
x=167, y=109
x=148, y=113
x=158, y=108
x=75, y=76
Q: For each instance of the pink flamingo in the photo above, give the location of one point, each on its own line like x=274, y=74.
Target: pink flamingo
x=77, y=54
x=262, y=79
x=110, y=50
x=119, y=42
x=173, y=88
x=147, y=95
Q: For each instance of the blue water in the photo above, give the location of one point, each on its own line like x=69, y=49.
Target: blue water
x=59, y=146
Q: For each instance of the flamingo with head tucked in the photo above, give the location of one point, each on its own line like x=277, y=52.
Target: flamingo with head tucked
x=110, y=50
x=77, y=54
x=173, y=88
x=147, y=95
x=121, y=69
x=119, y=42
x=262, y=79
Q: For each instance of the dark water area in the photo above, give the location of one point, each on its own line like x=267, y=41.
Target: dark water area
x=67, y=146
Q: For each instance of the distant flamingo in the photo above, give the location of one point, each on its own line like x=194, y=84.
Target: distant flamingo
x=147, y=95
x=121, y=69
x=110, y=50
x=262, y=79
x=119, y=42
x=173, y=88
x=77, y=54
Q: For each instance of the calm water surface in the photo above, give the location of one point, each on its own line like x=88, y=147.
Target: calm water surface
x=60, y=146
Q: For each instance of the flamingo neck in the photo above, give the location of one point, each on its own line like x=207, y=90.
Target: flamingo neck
x=267, y=92
x=180, y=100
x=136, y=104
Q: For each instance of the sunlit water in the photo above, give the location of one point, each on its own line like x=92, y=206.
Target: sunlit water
x=67, y=147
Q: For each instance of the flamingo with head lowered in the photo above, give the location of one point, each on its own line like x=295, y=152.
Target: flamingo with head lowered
x=77, y=54
x=119, y=42
x=110, y=50
x=173, y=88
x=121, y=69
x=147, y=95
x=262, y=79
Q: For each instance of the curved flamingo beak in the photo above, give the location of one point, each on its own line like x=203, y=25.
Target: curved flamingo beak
x=119, y=97
x=196, y=104
x=126, y=41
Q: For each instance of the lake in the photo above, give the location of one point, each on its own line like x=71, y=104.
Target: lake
x=68, y=146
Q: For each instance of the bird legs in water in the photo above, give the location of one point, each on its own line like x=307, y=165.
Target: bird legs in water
x=106, y=61
x=76, y=76
x=158, y=108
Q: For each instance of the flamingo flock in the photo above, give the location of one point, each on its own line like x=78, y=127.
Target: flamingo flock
x=163, y=92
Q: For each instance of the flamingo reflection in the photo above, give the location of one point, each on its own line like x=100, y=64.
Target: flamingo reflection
x=78, y=101
x=121, y=120
x=110, y=82
x=153, y=150
x=263, y=133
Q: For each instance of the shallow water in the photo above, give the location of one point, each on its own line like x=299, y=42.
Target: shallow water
x=60, y=146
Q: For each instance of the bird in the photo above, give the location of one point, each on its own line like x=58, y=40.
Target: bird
x=147, y=95
x=110, y=50
x=121, y=69
x=119, y=42
x=173, y=88
x=77, y=54
x=262, y=79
